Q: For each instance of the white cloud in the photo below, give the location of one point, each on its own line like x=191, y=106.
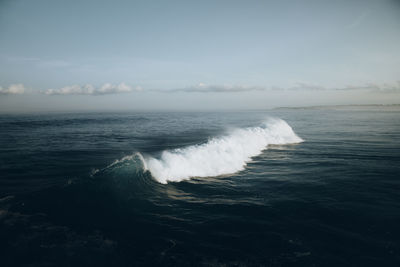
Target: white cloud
x=379, y=87
x=108, y=88
x=13, y=89
x=299, y=86
x=89, y=89
x=225, y=88
x=306, y=86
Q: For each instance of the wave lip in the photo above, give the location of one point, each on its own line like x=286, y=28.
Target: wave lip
x=220, y=155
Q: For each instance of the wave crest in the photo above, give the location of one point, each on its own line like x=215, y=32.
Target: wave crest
x=220, y=155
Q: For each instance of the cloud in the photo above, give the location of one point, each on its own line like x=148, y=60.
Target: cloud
x=13, y=89
x=305, y=86
x=109, y=88
x=378, y=87
x=89, y=89
x=204, y=88
x=299, y=86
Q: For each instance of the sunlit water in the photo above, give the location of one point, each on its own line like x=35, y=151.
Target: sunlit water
x=287, y=187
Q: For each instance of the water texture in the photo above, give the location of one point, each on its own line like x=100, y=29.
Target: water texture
x=286, y=187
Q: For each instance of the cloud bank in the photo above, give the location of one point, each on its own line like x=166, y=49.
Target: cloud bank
x=299, y=86
x=109, y=88
x=384, y=87
x=13, y=89
x=204, y=88
x=89, y=89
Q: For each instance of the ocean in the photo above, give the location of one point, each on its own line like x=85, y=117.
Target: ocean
x=284, y=187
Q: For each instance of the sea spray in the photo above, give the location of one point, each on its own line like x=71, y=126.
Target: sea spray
x=220, y=155
x=134, y=161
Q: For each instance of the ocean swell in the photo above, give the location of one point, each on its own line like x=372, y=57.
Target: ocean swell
x=220, y=155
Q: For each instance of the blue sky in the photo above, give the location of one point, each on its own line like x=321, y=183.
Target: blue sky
x=240, y=49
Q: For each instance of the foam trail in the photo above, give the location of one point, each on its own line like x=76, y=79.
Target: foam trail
x=221, y=155
x=135, y=161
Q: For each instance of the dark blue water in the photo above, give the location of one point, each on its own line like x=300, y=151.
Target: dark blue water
x=332, y=200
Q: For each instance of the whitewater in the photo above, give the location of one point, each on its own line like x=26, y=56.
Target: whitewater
x=222, y=155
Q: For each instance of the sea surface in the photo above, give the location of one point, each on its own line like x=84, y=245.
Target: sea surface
x=284, y=187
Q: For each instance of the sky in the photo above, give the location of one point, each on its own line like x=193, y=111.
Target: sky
x=151, y=55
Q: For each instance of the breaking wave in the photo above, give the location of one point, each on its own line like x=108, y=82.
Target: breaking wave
x=220, y=155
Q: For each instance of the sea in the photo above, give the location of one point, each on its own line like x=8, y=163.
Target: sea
x=315, y=186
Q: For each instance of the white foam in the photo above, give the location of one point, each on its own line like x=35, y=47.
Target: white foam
x=221, y=155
